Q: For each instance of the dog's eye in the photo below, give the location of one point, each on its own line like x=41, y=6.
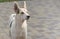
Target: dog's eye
x=22, y=12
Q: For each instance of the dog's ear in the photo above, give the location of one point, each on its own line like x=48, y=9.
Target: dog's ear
x=25, y=4
x=16, y=7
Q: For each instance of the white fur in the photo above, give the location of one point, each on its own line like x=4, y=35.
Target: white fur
x=19, y=24
x=18, y=30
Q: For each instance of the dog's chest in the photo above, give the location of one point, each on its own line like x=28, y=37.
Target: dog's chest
x=18, y=31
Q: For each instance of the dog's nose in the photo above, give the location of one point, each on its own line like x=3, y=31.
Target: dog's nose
x=28, y=17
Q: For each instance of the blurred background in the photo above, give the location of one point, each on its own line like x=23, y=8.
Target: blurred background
x=12, y=0
x=43, y=24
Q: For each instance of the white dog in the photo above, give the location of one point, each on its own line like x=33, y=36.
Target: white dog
x=18, y=22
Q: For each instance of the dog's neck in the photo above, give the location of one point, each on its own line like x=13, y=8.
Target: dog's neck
x=18, y=20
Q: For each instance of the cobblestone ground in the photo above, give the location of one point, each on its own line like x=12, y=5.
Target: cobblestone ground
x=43, y=24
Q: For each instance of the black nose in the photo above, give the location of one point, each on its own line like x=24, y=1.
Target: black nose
x=28, y=17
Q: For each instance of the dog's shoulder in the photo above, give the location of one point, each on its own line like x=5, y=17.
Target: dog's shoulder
x=13, y=15
x=12, y=18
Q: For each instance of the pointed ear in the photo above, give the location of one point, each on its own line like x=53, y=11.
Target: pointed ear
x=16, y=7
x=24, y=4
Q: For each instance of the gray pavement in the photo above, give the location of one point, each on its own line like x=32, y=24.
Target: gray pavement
x=43, y=24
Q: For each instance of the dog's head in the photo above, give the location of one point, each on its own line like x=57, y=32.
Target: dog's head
x=22, y=11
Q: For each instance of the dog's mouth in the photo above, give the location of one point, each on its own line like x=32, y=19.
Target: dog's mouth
x=27, y=18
